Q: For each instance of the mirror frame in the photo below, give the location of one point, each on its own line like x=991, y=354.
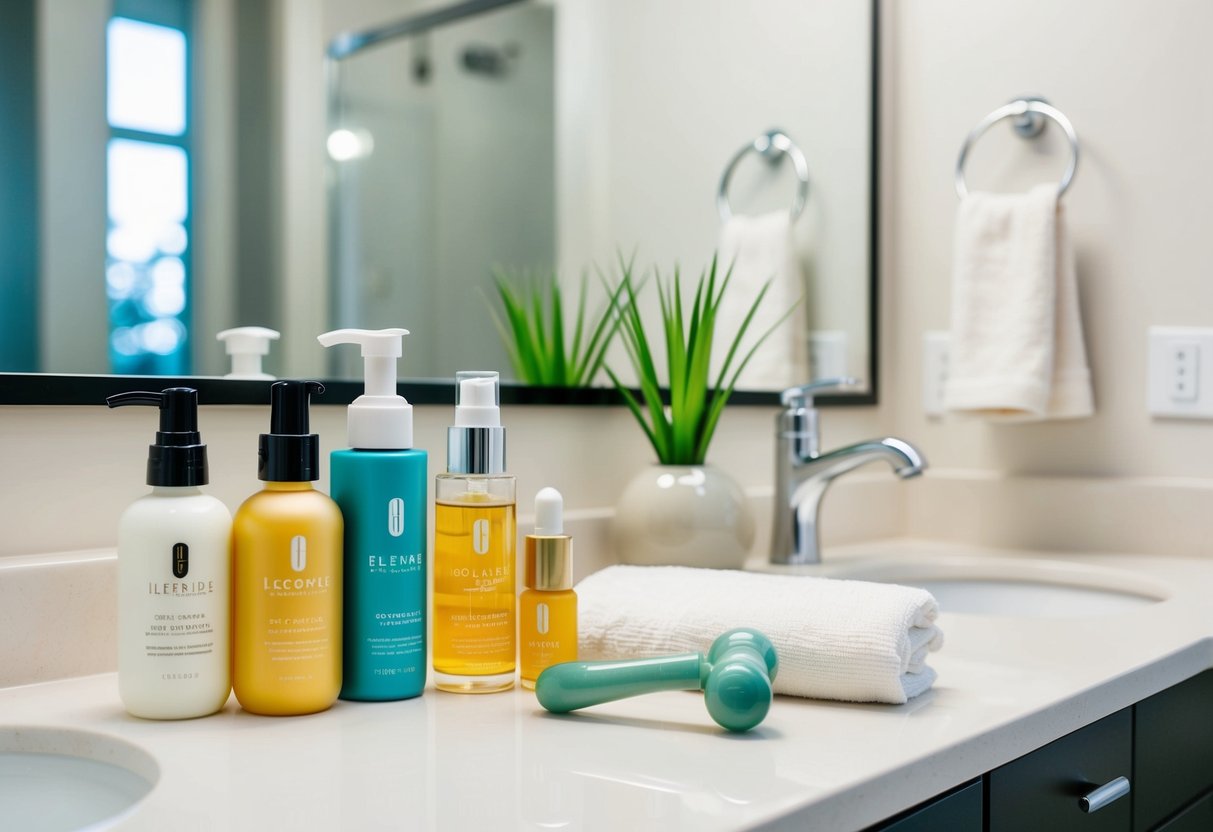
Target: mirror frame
x=66, y=389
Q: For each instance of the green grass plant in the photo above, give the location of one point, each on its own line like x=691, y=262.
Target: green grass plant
x=534, y=330
x=681, y=431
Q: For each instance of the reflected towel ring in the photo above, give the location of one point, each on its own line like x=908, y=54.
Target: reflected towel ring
x=1029, y=114
x=772, y=146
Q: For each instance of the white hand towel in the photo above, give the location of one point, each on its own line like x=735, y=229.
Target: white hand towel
x=761, y=248
x=1017, y=348
x=848, y=640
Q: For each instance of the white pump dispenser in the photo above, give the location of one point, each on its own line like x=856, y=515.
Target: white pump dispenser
x=246, y=345
x=477, y=403
x=379, y=418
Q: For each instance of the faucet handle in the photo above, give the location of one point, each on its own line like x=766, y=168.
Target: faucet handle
x=802, y=396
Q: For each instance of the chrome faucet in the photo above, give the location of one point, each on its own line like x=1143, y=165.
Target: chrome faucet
x=803, y=472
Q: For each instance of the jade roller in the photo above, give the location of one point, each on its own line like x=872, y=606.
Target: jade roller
x=735, y=678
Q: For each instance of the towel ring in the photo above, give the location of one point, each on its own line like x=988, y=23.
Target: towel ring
x=1029, y=114
x=772, y=146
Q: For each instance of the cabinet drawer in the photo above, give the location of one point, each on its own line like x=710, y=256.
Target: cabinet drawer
x=1196, y=818
x=956, y=811
x=1174, y=736
x=1040, y=791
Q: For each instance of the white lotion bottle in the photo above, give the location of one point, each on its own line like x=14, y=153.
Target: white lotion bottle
x=174, y=574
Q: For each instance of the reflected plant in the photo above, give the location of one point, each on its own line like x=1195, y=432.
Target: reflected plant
x=682, y=431
x=534, y=330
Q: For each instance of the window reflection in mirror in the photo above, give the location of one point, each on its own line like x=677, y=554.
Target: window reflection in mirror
x=147, y=196
x=381, y=190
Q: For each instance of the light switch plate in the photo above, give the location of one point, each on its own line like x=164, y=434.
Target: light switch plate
x=1180, y=372
x=935, y=347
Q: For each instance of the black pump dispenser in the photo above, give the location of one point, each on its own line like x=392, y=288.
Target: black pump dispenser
x=178, y=458
x=288, y=453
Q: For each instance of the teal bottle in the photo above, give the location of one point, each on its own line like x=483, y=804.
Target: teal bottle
x=380, y=485
x=382, y=495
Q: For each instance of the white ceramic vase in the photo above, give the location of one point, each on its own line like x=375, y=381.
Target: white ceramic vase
x=684, y=515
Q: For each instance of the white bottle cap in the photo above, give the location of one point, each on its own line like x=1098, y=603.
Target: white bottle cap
x=549, y=512
x=477, y=399
x=246, y=345
x=379, y=418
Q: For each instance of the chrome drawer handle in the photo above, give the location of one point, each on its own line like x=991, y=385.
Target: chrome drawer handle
x=1100, y=797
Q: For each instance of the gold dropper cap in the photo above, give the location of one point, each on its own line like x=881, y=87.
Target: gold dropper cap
x=549, y=562
x=549, y=552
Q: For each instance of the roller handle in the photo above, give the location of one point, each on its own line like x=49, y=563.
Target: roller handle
x=572, y=685
x=735, y=676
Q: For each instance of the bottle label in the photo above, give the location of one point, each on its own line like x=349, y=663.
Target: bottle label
x=481, y=537
x=389, y=638
x=298, y=553
x=548, y=631
x=395, y=517
x=181, y=589
x=181, y=560
x=475, y=629
x=181, y=621
x=296, y=611
x=395, y=564
x=296, y=586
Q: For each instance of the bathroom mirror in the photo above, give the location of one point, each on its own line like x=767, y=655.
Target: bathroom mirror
x=201, y=164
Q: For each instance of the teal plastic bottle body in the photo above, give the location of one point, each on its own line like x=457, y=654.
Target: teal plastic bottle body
x=382, y=495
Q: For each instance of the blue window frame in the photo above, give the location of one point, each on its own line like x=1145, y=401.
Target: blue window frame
x=148, y=194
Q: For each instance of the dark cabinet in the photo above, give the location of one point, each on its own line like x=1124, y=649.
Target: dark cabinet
x=1174, y=754
x=1196, y=818
x=1163, y=746
x=1041, y=791
x=959, y=810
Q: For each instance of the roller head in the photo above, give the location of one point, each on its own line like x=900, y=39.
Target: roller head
x=737, y=686
x=737, y=695
x=745, y=642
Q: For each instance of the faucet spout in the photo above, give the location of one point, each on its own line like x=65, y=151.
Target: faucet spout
x=903, y=458
x=803, y=476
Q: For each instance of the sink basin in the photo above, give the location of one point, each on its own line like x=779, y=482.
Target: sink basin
x=1011, y=587
x=57, y=779
x=1028, y=599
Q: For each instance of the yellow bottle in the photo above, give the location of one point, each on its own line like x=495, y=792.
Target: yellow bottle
x=286, y=572
x=475, y=588
x=547, y=610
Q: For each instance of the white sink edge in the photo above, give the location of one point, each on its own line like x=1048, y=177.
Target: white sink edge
x=75, y=742
x=107, y=779
x=1048, y=571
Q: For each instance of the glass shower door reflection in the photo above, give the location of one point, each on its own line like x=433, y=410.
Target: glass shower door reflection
x=442, y=149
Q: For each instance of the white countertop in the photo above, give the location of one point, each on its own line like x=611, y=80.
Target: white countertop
x=446, y=761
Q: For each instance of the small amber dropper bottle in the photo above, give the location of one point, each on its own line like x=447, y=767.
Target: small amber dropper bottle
x=547, y=620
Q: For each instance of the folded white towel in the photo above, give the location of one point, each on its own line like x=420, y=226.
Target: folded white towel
x=1017, y=348
x=848, y=640
x=761, y=248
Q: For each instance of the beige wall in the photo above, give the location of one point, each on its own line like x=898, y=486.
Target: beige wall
x=1135, y=80
x=68, y=472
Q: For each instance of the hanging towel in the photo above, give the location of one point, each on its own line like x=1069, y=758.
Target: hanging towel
x=1017, y=347
x=761, y=248
x=848, y=640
